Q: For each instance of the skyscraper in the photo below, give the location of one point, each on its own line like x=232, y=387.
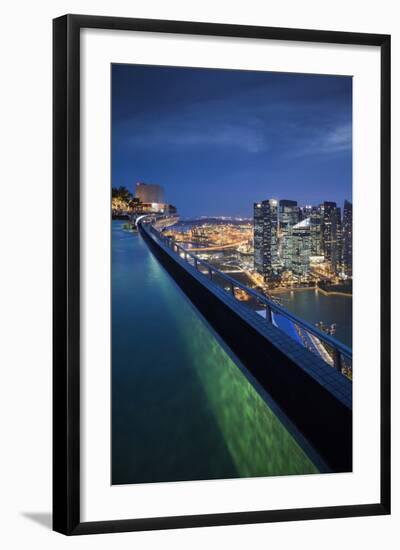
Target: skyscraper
x=300, y=248
x=258, y=220
x=305, y=211
x=149, y=193
x=289, y=215
x=315, y=231
x=331, y=234
x=348, y=238
x=266, y=260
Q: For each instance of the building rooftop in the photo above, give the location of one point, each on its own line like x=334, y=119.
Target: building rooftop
x=304, y=224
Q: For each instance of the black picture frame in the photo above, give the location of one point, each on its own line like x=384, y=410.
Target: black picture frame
x=66, y=273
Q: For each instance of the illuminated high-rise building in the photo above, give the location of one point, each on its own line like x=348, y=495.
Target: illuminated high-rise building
x=266, y=260
x=289, y=215
x=299, y=237
x=258, y=220
x=348, y=238
x=306, y=211
x=331, y=235
x=315, y=231
x=149, y=193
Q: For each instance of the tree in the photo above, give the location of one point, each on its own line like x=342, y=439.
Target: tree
x=121, y=193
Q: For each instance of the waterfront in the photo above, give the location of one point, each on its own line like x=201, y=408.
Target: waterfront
x=308, y=303
x=181, y=407
x=314, y=306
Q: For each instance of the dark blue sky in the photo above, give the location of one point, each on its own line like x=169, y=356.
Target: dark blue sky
x=219, y=140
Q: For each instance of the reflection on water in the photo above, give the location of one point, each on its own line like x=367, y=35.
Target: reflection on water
x=313, y=306
x=181, y=408
x=256, y=439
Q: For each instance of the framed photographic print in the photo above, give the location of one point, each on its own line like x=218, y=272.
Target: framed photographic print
x=221, y=274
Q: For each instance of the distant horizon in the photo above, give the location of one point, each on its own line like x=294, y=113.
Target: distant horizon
x=219, y=140
x=250, y=216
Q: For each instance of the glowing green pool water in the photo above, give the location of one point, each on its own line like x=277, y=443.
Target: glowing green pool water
x=182, y=409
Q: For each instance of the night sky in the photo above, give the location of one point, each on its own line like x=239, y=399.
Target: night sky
x=219, y=140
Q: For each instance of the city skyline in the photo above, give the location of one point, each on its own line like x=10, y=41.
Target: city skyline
x=220, y=140
x=307, y=208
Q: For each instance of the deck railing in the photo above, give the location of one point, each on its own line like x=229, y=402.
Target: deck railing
x=333, y=352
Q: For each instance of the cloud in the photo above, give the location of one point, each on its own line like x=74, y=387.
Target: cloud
x=328, y=141
x=251, y=126
x=339, y=139
x=193, y=129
